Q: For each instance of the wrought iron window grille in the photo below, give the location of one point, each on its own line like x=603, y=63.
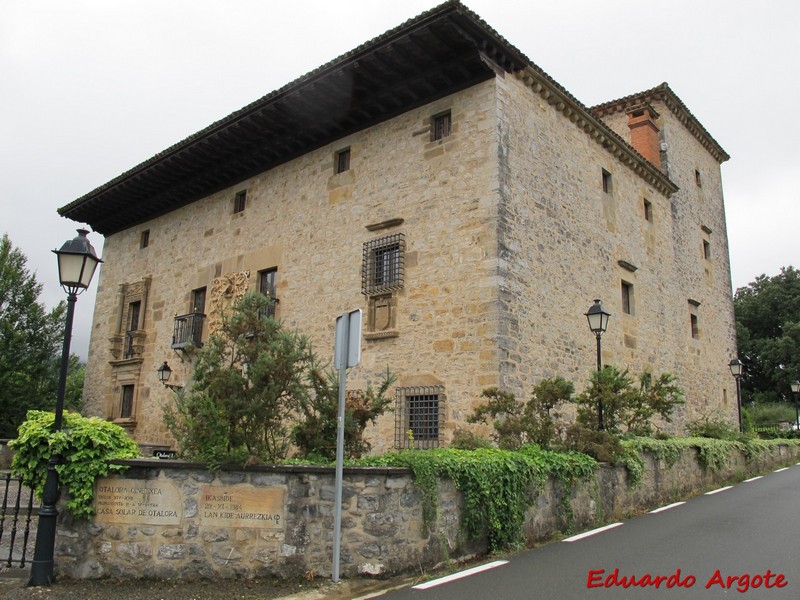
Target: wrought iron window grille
x=383, y=264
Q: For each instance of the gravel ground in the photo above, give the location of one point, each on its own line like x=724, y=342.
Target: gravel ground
x=12, y=587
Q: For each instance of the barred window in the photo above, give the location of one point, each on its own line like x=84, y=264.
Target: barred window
x=383, y=264
x=419, y=412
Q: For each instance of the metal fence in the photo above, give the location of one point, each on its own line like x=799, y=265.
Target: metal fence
x=18, y=510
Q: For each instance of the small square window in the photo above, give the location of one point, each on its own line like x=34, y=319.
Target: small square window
x=607, y=187
x=144, y=239
x=240, y=201
x=648, y=211
x=126, y=402
x=441, y=126
x=627, y=298
x=342, y=161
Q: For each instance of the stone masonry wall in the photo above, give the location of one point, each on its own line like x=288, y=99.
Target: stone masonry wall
x=564, y=240
x=171, y=519
x=311, y=224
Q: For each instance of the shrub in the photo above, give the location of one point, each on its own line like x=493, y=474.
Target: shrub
x=468, y=440
x=601, y=445
x=517, y=423
x=627, y=409
x=315, y=434
x=87, y=445
x=712, y=425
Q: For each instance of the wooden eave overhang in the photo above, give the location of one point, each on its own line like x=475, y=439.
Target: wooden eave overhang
x=665, y=94
x=440, y=52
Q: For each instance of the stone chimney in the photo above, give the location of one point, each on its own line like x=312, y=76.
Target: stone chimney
x=644, y=132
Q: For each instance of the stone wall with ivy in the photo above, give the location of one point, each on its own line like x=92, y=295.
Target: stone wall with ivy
x=172, y=519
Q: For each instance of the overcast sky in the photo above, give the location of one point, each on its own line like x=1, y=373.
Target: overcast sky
x=91, y=88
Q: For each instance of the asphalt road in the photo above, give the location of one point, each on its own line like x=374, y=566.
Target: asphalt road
x=750, y=532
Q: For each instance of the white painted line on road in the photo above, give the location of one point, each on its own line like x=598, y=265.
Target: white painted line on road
x=783, y=469
x=658, y=510
x=580, y=536
x=752, y=479
x=722, y=489
x=462, y=574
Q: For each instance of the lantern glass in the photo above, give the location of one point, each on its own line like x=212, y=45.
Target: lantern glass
x=795, y=385
x=597, y=317
x=736, y=366
x=164, y=373
x=77, y=263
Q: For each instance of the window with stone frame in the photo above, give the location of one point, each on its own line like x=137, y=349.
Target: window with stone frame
x=126, y=401
x=419, y=416
x=648, y=211
x=132, y=326
x=240, y=201
x=441, y=126
x=627, y=298
x=607, y=181
x=342, y=161
x=383, y=264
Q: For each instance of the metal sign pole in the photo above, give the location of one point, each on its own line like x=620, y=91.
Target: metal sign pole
x=346, y=353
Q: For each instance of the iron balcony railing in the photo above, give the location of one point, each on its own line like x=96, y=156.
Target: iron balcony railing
x=188, y=330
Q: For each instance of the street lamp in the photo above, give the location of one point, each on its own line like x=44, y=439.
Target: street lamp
x=737, y=367
x=164, y=373
x=598, y=323
x=77, y=262
x=795, y=385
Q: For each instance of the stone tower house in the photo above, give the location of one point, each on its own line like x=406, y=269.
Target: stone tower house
x=472, y=207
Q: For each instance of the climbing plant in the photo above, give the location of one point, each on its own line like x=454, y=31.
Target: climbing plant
x=87, y=445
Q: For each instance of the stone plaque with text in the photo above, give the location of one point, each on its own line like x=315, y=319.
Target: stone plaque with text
x=242, y=506
x=137, y=502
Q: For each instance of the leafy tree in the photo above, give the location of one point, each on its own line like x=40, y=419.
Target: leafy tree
x=315, y=434
x=73, y=398
x=30, y=342
x=768, y=331
x=248, y=382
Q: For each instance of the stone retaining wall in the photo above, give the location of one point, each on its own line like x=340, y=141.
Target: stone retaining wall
x=172, y=519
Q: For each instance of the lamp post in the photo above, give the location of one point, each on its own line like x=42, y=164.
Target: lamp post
x=77, y=262
x=795, y=385
x=737, y=367
x=598, y=323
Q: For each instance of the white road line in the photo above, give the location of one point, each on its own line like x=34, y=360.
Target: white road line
x=752, y=479
x=658, y=510
x=454, y=576
x=722, y=489
x=783, y=469
x=580, y=536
